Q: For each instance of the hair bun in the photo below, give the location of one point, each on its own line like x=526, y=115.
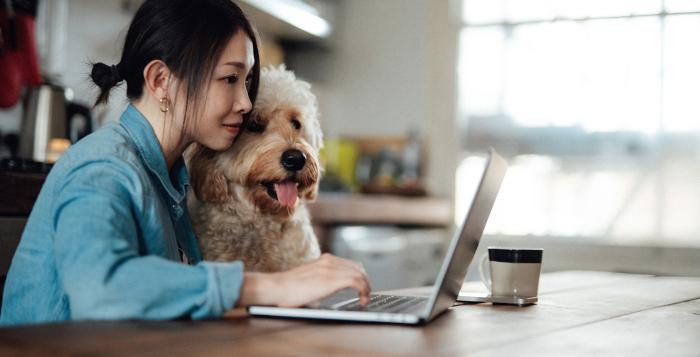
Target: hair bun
x=105, y=76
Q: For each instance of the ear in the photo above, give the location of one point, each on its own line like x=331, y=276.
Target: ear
x=208, y=182
x=156, y=77
x=312, y=194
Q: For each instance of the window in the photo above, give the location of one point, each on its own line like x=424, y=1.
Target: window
x=596, y=104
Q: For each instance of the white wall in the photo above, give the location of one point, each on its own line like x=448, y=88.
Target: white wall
x=379, y=79
x=393, y=67
x=96, y=32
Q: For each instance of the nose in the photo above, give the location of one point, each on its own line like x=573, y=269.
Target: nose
x=242, y=104
x=293, y=160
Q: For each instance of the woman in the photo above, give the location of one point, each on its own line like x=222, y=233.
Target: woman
x=110, y=227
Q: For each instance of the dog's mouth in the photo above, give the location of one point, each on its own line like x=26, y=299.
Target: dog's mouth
x=285, y=192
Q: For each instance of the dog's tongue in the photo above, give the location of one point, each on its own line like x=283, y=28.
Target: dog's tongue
x=286, y=193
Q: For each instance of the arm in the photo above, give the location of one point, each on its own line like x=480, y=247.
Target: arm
x=104, y=277
x=305, y=284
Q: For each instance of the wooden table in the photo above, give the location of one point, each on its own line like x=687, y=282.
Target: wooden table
x=579, y=313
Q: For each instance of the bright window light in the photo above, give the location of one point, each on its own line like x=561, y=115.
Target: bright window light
x=682, y=74
x=481, y=69
x=476, y=12
x=682, y=5
x=595, y=104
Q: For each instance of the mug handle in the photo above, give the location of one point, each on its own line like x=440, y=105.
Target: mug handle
x=484, y=279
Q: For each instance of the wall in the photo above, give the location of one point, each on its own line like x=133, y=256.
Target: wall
x=95, y=38
x=378, y=79
x=393, y=68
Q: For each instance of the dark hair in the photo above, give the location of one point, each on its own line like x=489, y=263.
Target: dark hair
x=187, y=35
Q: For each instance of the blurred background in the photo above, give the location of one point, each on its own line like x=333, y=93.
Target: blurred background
x=592, y=102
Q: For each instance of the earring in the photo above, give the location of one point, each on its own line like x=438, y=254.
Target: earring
x=164, y=105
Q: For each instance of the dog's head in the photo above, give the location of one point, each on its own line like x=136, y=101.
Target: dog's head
x=274, y=160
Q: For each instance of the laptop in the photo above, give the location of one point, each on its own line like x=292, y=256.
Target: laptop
x=414, y=310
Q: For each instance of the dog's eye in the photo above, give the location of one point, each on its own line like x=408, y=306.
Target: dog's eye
x=254, y=127
x=296, y=124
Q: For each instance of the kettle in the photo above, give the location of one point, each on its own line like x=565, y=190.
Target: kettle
x=51, y=123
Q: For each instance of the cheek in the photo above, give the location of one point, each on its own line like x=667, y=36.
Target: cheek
x=218, y=103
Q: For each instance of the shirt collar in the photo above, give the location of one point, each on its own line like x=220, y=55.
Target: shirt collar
x=146, y=141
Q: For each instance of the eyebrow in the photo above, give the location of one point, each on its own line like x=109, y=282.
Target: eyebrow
x=235, y=64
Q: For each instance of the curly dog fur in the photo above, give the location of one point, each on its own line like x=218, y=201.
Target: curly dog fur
x=250, y=198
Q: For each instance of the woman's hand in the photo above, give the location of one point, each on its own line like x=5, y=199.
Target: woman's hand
x=305, y=284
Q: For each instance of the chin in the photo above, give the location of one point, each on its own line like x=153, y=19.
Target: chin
x=219, y=145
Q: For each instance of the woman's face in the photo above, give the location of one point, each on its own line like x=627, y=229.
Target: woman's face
x=226, y=97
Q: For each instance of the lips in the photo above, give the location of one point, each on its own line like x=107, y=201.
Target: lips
x=232, y=128
x=285, y=192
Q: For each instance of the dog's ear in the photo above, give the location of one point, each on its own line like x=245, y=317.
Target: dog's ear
x=316, y=171
x=207, y=180
x=311, y=195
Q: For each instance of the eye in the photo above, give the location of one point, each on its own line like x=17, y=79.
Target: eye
x=248, y=82
x=296, y=124
x=231, y=79
x=254, y=127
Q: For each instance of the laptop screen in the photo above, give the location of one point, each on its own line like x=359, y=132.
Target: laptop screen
x=466, y=239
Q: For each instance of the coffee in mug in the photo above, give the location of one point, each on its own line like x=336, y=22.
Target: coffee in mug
x=514, y=272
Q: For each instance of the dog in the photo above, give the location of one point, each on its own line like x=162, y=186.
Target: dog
x=249, y=201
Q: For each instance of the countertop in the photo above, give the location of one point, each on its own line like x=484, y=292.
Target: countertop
x=18, y=191
x=336, y=209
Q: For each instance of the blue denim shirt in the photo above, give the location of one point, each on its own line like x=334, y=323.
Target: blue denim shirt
x=102, y=239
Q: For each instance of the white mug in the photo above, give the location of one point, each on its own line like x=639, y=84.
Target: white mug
x=515, y=272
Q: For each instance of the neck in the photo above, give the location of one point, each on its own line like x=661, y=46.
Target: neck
x=170, y=138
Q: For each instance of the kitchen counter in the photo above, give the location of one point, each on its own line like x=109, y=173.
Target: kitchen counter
x=331, y=210
x=337, y=209
x=18, y=191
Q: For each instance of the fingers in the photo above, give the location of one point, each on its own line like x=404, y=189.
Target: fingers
x=363, y=292
x=321, y=278
x=352, y=275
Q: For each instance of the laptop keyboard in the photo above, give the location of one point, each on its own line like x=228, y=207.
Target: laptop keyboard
x=385, y=303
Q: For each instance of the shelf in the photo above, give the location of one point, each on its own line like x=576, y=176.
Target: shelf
x=338, y=209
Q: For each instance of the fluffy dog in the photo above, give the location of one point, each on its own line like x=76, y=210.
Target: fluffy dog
x=250, y=198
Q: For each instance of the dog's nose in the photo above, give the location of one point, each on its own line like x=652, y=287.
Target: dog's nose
x=293, y=160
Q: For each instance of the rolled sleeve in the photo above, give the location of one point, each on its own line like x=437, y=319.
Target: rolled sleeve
x=224, y=281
